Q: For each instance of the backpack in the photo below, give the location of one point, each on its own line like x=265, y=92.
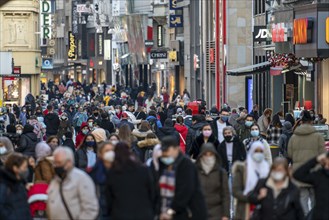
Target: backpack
x=153, y=124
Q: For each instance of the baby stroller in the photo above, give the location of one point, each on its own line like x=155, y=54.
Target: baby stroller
x=37, y=199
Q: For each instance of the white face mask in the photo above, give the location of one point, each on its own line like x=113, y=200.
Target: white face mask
x=19, y=132
x=114, y=142
x=208, y=163
x=258, y=157
x=277, y=176
x=109, y=156
x=3, y=150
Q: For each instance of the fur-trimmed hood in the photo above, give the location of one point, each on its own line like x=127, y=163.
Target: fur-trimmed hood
x=140, y=134
x=151, y=142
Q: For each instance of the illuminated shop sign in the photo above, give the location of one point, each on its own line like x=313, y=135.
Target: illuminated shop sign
x=72, y=47
x=45, y=19
x=303, y=31
x=280, y=32
x=327, y=30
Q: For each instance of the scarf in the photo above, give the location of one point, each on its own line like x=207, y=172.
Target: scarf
x=167, y=189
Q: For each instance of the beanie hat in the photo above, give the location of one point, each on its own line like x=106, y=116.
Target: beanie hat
x=287, y=125
x=99, y=134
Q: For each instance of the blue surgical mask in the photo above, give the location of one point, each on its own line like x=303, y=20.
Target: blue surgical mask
x=254, y=133
x=224, y=118
x=167, y=160
x=248, y=123
x=90, y=143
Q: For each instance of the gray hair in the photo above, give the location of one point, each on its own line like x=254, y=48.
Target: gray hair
x=69, y=156
x=229, y=128
x=42, y=150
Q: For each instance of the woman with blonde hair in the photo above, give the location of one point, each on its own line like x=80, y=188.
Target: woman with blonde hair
x=44, y=170
x=6, y=148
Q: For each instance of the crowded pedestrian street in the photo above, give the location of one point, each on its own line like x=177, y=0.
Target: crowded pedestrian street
x=164, y=110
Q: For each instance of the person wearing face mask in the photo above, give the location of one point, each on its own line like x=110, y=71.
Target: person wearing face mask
x=64, y=125
x=277, y=195
x=12, y=135
x=13, y=194
x=243, y=127
x=79, y=118
x=179, y=191
x=27, y=141
x=118, y=111
x=219, y=124
x=319, y=179
x=68, y=141
x=264, y=121
x=72, y=193
x=83, y=131
x=105, y=160
x=86, y=154
x=91, y=123
x=255, y=136
x=245, y=177
x=53, y=142
x=206, y=136
x=6, y=148
x=231, y=149
x=213, y=178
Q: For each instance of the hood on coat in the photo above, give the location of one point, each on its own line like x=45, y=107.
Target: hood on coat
x=304, y=129
x=28, y=128
x=151, y=142
x=83, y=124
x=140, y=134
x=32, y=136
x=51, y=116
x=167, y=130
x=8, y=176
x=181, y=128
x=199, y=125
x=208, y=147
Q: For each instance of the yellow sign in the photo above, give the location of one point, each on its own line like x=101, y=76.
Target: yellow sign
x=72, y=46
x=327, y=30
x=173, y=56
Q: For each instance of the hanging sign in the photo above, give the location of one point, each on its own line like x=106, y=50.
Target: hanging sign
x=71, y=54
x=303, y=30
x=45, y=19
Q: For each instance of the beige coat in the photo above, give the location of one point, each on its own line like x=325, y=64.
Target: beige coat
x=239, y=181
x=305, y=144
x=79, y=194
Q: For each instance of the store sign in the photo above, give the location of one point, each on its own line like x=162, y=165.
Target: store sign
x=17, y=70
x=279, y=32
x=173, y=56
x=45, y=19
x=173, y=5
x=100, y=45
x=75, y=17
x=149, y=43
x=159, y=36
x=82, y=8
x=175, y=21
x=159, y=55
x=327, y=30
x=107, y=50
x=261, y=33
x=303, y=31
x=71, y=54
x=47, y=63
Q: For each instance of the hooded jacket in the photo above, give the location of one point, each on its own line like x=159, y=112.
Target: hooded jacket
x=80, y=136
x=305, y=143
x=52, y=123
x=198, y=142
x=13, y=197
x=214, y=187
x=183, y=131
x=141, y=135
x=28, y=141
x=167, y=130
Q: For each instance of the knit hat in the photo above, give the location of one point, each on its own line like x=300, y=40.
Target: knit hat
x=287, y=125
x=83, y=124
x=99, y=134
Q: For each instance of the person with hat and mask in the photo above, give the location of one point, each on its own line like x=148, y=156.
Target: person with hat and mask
x=64, y=125
x=245, y=177
x=179, y=190
x=305, y=144
x=28, y=141
x=83, y=131
x=284, y=138
x=214, y=183
x=219, y=124
x=6, y=148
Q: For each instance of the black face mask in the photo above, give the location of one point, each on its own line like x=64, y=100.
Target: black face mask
x=61, y=172
x=96, y=114
x=228, y=138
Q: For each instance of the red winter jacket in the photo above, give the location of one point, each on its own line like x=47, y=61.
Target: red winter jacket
x=182, y=130
x=81, y=136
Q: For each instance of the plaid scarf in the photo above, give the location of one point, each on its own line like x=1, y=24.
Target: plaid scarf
x=167, y=189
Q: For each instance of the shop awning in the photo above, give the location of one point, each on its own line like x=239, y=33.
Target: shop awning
x=252, y=69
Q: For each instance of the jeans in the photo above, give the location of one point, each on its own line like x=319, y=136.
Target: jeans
x=306, y=195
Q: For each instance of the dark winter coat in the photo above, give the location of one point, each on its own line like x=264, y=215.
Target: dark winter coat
x=13, y=198
x=196, y=128
x=52, y=123
x=140, y=115
x=69, y=143
x=215, y=128
x=197, y=144
x=239, y=153
x=126, y=122
x=146, y=146
x=107, y=125
x=27, y=144
x=64, y=126
x=188, y=193
x=130, y=194
x=140, y=135
x=167, y=131
x=286, y=206
x=215, y=187
x=320, y=182
x=81, y=159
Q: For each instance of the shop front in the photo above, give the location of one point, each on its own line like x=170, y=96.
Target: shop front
x=15, y=88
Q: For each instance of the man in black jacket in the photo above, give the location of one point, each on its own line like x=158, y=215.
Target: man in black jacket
x=319, y=179
x=178, y=185
x=51, y=121
x=106, y=123
x=167, y=129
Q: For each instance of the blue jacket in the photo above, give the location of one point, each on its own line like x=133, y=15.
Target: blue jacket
x=13, y=198
x=158, y=121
